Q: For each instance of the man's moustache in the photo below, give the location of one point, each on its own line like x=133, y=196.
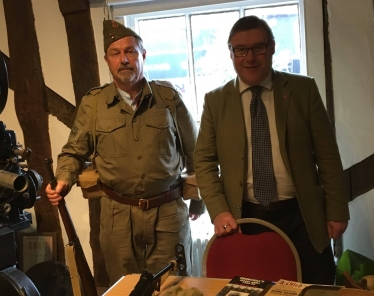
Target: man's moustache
x=125, y=68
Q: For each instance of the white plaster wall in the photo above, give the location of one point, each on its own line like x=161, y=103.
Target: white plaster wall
x=359, y=236
x=312, y=11
x=352, y=46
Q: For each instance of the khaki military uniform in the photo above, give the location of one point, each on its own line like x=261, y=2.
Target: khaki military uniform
x=137, y=155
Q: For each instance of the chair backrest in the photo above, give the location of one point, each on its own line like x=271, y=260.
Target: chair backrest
x=267, y=256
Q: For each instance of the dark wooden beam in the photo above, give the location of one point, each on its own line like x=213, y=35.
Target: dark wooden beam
x=85, y=74
x=61, y=108
x=30, y=101
x=73, y=6
x=57, y=105
x=362, y=177
x=82, y=48
x=7, y=63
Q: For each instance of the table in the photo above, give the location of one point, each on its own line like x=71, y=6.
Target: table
x=209, y=286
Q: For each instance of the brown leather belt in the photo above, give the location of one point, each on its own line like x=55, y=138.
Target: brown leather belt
x=143, y=203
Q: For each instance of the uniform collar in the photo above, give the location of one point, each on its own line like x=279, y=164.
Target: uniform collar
x=117, y=95
x=114, y=91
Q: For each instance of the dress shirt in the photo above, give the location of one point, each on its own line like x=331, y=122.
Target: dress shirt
x=133, y=103
x=285, y=188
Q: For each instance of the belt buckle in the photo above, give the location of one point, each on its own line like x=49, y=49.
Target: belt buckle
x=143, y=204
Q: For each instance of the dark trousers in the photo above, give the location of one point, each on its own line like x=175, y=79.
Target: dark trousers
x=317, y=268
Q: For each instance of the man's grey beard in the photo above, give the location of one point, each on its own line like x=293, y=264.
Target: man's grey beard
x=127, y=76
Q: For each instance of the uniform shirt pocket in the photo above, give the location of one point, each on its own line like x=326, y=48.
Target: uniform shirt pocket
x=111, y=137
x=160, y=133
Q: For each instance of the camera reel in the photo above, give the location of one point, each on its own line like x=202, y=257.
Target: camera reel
x=19, y=185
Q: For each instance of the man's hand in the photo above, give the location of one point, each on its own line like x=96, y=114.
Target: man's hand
x=194, y=217
x=197, y=208
x=58, y=193
x=336, y=229
x=224, y=224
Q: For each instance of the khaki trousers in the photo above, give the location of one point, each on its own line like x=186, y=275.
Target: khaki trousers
x=133, y=240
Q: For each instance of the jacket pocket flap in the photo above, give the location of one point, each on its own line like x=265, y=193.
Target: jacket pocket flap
x=110, y=124
x=157, y=123
x=88, y=178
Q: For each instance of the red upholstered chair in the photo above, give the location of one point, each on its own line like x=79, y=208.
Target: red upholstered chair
x=268, y=255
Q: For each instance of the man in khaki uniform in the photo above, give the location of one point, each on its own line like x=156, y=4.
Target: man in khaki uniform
x=138, y=159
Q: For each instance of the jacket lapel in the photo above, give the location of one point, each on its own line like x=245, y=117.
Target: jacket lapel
x=282, y=92
x=236, y=108
x=231, y=122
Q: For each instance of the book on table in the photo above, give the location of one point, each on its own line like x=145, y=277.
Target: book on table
x=284, y=287
x=242, y=286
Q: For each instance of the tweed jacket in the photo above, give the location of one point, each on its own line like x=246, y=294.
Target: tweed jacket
x=307, y=144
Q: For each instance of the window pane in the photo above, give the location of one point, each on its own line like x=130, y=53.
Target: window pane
x=165, y=40
x=284, y=21
x=166, y=45
x=212, y=63
x=190, y=50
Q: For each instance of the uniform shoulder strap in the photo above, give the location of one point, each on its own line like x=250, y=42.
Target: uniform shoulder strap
x=96, y=90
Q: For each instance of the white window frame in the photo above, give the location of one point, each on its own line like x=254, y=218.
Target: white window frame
x=310, y=13
x=157, y=9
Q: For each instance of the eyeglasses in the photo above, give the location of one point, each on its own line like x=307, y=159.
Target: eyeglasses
x=241, y=52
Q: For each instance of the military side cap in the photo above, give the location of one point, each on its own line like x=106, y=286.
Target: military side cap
x=114, y=31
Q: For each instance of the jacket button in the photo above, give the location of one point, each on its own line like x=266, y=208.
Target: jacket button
x=239, y=208
x=136, y=139
x=139, y=157
x=241, y=184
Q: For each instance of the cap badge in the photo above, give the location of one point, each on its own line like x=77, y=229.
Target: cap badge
x=115, y=25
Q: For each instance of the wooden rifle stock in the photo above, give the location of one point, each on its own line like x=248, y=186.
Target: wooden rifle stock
x=87, y=281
